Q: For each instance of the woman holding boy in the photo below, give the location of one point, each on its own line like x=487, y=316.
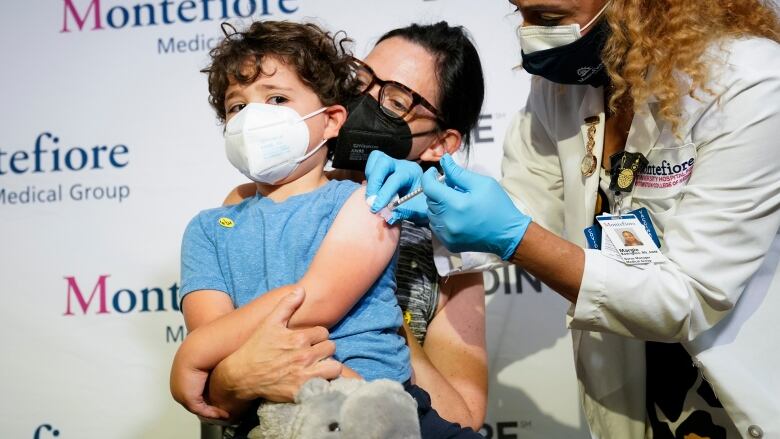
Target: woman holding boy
x=279, y=91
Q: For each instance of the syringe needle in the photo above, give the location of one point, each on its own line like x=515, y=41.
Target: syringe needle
x=410, y=195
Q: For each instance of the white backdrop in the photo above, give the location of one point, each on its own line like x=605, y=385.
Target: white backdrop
x=108, y=147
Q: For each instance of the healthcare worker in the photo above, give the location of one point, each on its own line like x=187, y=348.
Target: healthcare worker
x=667, y=111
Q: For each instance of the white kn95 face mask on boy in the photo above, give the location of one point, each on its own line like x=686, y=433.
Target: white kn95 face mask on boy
x=267, y=142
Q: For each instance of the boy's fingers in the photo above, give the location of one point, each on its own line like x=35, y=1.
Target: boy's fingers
x=217, y=413
x=329, y=369
x=201, y=408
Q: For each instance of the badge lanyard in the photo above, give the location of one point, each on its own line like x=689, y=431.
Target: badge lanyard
x=624, y=167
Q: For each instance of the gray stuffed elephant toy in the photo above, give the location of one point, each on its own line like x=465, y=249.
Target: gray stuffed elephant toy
x=345, y=409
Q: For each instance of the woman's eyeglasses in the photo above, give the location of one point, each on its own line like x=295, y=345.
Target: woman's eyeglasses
x=395, y=99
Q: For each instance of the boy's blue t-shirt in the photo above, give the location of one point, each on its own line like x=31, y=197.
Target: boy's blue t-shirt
x=258, y=245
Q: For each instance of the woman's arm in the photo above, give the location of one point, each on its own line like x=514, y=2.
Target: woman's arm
x=275, y=361
x=452, y=365
x=553, y=260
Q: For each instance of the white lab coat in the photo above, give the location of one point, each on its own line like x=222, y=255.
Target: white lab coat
x=718, y=293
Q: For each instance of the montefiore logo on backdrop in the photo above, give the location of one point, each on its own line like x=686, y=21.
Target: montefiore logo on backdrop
x=50, y=158
x=98, y=15
x=119, y=301
x=94, y=297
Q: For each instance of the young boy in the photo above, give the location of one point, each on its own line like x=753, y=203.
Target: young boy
x=277, y=86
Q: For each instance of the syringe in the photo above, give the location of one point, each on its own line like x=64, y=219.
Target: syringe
x=410, y=195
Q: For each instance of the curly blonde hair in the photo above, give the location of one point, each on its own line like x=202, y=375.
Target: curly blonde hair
x=671, y=36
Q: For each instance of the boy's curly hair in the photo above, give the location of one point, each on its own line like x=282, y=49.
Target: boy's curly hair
x=319, y=58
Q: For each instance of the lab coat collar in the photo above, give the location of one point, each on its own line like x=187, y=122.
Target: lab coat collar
x=645, y=130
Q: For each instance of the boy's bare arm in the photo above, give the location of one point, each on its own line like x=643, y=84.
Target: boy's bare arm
x=354, y=253
x=272, y=364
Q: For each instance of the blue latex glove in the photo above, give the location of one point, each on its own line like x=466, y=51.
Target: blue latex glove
x=388, y=177
x=471, y=212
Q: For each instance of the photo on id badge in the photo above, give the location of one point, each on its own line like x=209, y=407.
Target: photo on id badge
x=629, y=237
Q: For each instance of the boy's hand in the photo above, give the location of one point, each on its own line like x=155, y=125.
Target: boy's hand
x=348, y=372
x=187, y=386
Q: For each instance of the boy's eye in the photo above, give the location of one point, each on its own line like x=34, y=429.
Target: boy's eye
x=236, y=108
x=277, y=100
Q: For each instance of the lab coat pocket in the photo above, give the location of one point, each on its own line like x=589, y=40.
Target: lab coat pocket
x=659, y=185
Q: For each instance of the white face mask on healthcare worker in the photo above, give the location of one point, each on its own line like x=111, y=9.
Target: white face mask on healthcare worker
x=537, y=38
x=562, y=55
x=268, y=142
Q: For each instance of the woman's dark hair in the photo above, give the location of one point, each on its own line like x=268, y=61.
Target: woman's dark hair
x=458, y=71
x=318, y=57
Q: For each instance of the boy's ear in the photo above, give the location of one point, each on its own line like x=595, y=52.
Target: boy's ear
x=447, y=141
x=335, y=115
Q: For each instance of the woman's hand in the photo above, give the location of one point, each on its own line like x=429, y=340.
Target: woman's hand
x=472, y=212
x=274, y=362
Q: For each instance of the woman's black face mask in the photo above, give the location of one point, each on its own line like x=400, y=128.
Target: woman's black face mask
x=575, y=63
x=366, y=129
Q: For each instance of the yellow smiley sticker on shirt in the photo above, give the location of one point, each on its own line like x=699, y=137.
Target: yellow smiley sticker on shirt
x=226, y=222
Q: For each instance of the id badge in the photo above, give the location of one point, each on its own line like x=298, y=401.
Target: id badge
x=629, y=238
x=593, y=233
